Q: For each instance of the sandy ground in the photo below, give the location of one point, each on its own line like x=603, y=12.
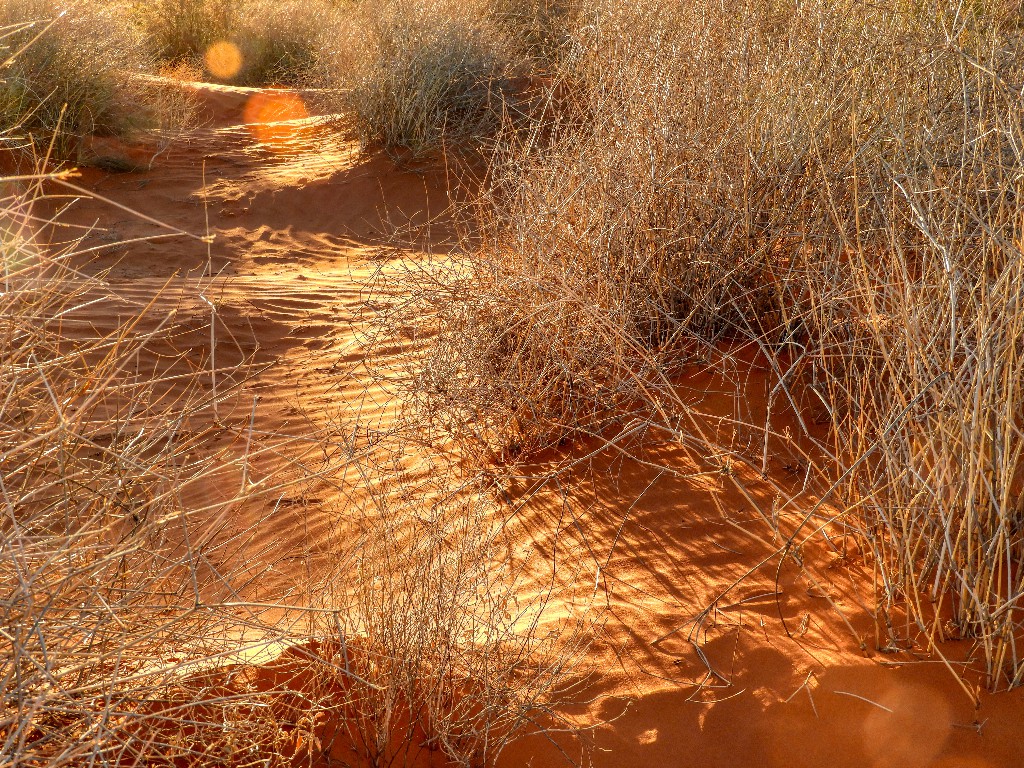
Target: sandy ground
x=301, y=221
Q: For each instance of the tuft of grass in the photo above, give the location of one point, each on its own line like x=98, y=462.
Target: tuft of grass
x=610, y=242
x=183, y=30
x=72, y=70
x=97, y=605
x=282, y=42
x=537, y=30
x=898, y=322
x=419, y=76
x=446, y=631
x=279, y=43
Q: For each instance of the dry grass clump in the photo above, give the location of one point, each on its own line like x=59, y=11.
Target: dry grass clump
x=419, y=76
x=919, y=376
x=679, y=164
x=282, y=42
x=123, y=608
x=102, y=593
x=899, y=308
x=70, y=70
x=536, y=29
x=278, y=43
x=445, y=630
x=183, y=30
x=839, y=184
x=906, y=334
x=612, y=234
x=516, y=361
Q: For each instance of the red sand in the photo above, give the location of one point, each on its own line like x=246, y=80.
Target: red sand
x=299, y=218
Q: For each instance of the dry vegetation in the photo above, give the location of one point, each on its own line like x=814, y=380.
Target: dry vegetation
x=838, y=184
x=279, y=43
x=444, y=626
x=419, y=76
x=126, y=640
x=95, y=589
x=71, y=70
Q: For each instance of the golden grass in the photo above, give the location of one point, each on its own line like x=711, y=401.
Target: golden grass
x=836, y=184
x=70, y=70
x=279, y=43
x=417, y=77
x=128, y=636
x=96, y=589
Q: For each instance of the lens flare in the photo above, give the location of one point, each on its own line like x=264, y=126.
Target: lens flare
x=16, y=253
x=223, y=60
x=17, y=239
x=271, y=117
x=907, y=727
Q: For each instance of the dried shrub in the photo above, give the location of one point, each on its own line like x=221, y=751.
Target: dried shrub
x=837, y=186
x=73, y=69
x=418, y=76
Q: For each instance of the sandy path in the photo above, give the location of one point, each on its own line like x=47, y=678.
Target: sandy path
x=300, y=220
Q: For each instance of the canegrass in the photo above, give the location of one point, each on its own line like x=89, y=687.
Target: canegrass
x=417, y=77
x=838, y=186
x=72, y=70
x=899, y=312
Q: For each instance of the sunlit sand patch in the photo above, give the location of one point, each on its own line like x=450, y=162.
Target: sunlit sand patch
x=247, y=651
x=650, y=736
x=279, y=120
x=317, y=155
x=223, y=60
